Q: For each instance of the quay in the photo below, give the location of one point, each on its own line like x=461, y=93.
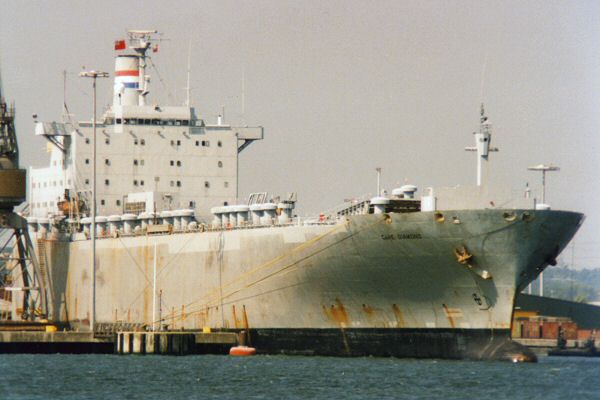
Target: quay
x=71, y=342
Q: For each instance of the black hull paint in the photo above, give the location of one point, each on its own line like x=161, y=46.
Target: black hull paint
x=474, y=344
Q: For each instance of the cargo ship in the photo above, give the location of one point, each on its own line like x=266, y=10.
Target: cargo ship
x=397, y=274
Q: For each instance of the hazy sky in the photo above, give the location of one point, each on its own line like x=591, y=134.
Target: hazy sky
x=342, y=87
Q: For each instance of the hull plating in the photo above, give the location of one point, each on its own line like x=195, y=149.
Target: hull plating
x=394, y=272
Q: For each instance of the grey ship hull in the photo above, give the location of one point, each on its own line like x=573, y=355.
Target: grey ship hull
x=388, y=284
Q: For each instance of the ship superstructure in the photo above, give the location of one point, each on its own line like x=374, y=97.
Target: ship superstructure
x=434, y=275
x=149, y=156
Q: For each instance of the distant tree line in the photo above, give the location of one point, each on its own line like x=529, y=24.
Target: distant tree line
x=562, y=282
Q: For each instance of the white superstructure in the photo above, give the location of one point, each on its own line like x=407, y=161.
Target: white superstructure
x=168, y=153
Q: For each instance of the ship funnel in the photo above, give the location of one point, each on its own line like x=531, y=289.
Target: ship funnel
x=127, y=80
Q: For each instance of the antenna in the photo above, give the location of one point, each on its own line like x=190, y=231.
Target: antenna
x=64, y=90
x=483, y=138
x=378, y=169
x=188, y=89
x=243, y=93
x=484, y=67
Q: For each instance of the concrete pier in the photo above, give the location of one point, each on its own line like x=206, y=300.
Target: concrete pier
x=174, y=343
x=53, y=342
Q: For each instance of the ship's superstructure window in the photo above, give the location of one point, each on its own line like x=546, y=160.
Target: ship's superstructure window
x=172, y=163
x=192, y=204
x=179, y=143
x=197, y=143
x=135, y=141
x=107, y=182
x=179, y=163
x=118, y=202
x=87, y=140
x=102, y=202
x=135, y=162
x=178, y=183
x=141, y=183
x=172, y=183
x=226, y=184
x=135, y=182
x=107, y=141
x=220, y=144
x=220, y=164
x=87, y=160
x=87, y=181
x=206, y=184
x=142, y=142
x=107, y=161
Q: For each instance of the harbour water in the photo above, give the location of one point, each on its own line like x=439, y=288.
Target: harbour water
x=24, y=376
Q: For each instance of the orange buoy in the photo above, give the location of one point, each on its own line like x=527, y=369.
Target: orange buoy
x=242, y=351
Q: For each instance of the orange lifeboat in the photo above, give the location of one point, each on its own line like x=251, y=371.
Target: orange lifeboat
x=242, y=351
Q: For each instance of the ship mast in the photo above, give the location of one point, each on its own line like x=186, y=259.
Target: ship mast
x=140, y=41
x=483, y=139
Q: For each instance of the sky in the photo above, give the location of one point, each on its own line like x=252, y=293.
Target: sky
x=343, y=87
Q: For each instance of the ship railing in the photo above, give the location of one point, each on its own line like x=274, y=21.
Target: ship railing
x=296, y=221
x=348, y=204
